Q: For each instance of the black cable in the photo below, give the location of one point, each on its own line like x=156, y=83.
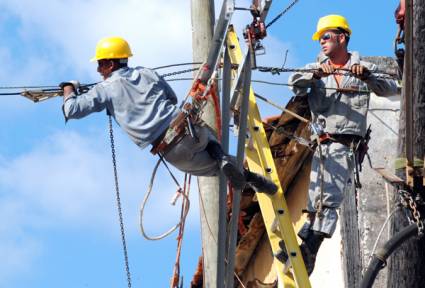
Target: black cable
x=261, y=82
x=38, y=89
x=45, y=87
x=26, y=87
x=380, y=257
x=281, y=13
x=339, y=71
x=10, y=94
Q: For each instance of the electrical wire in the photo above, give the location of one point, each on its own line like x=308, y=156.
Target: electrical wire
x=143, y=205
x=380, y=258
x=338, y=71
x=50, y=88
x=273, y=70
x=380, y=234
x=281, y=14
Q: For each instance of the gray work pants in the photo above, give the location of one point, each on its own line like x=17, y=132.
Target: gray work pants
x=338, y=174
x=190, y=156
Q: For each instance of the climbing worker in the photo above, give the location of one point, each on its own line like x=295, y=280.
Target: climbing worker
x=144, y=105
x=337, y=89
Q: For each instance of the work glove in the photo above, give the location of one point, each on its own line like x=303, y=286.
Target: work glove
x=360, y=71
x=74, y=83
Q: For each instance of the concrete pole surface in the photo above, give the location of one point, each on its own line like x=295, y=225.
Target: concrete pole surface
x=202, y=12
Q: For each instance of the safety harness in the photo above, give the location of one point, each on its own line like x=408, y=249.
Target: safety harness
x=184, y=123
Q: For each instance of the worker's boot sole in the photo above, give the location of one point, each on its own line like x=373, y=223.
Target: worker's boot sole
x=260, y=183
x=308, y=257
x=233, y=174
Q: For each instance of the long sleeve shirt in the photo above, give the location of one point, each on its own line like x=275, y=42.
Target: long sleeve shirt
x=343, y=111
x=141, y=102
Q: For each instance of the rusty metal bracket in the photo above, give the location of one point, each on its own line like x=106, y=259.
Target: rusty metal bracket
x=41, y=95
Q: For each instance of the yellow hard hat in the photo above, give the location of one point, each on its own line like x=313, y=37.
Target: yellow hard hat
x=331, y=22
x=112, y=48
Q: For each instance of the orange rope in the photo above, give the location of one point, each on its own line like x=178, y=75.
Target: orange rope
x=216, y=101
x=197, y=93
x=175, y=280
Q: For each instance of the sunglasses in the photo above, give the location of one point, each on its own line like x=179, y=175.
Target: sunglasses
x=326, y=36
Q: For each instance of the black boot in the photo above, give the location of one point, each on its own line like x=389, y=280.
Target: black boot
x=260, y=183
x=227, y=164
x=309, y=248
x=232, y=173
x=237, y=178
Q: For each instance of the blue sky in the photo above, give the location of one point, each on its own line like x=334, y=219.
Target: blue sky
x=58, y=220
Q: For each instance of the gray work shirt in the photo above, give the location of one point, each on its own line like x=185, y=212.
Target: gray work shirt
x=141, y=102
x=343, y=112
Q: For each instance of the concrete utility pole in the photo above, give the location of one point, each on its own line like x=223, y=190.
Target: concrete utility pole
x=212, y=213
x=407, y=265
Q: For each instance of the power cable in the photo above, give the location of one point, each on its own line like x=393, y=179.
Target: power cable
x=11, y=94
x=379, y=259
x=26, y=87
x=52, y=88
x=380, y=233
x=270, y=83
x=273, y=70
x=338, y=71
x=281, y=13
x=145, y=201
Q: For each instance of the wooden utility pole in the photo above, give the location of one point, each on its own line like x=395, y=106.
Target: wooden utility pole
x=407, y=265
x=212, y=202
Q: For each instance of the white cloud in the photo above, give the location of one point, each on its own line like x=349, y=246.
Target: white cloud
x=66, y=182
x=17, y=257
x=68, y=178
x=72, y=28
x=18, y=249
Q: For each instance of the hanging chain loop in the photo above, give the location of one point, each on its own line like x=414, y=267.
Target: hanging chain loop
x=407, y=200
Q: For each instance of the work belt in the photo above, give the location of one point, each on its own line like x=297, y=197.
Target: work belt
x=344, y=139
x=180, y=126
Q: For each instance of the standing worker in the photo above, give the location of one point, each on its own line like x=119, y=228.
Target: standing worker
x=144, y=105
x=338, y=92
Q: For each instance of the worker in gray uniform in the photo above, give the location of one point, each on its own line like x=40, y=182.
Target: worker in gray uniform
x=145, y=107
x=338, y=91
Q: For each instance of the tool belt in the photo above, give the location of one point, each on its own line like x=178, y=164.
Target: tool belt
x=173, y=135
x=180, y=126
x=344, y=139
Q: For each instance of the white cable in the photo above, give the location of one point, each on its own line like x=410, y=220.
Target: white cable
x=380, y=233
x=143, y=205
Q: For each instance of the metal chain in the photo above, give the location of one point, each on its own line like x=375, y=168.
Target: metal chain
x=411, y=204
x=179, y=72
x=281, y=13
x=117, y=190
x=175, y=65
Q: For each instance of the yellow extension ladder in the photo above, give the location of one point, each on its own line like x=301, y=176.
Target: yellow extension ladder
x=273, y=208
